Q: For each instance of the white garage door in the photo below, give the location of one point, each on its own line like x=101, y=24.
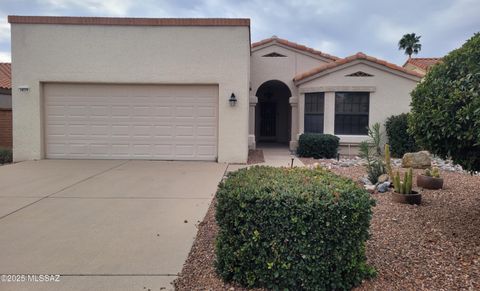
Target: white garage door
x=164, y=122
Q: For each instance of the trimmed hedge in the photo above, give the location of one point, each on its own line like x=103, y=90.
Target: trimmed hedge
x=317, y=145
x=5, y=156
x=296, y=229
x=399, y=139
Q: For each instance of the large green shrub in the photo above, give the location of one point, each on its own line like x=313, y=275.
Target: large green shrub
x=5, y=156
x=445, y=117
x=317, y=145
x=399, y=139
x=294, y=228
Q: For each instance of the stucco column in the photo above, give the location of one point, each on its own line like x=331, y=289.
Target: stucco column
x=301, y=112
x=251, y=122
x=294, y=120
x=329, y=113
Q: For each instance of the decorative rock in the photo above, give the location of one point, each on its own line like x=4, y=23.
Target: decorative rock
x=383, y=187
x=370, y=188
x=364, y=181
x=418, y=160
x=383, y=178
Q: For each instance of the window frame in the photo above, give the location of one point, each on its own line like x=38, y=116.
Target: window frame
x=319, y=112
x=363, y=131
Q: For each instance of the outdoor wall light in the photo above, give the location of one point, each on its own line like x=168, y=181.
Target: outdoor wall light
x=232, y=100
x=23, y=88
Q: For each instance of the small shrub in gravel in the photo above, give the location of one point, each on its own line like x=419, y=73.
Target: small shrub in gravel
x=295, y=229
x=5, y=156
x=318, y=145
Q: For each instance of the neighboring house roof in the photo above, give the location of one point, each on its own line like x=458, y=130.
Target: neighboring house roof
x=357, y=56
x=422, y=63
x=5, y=76
x=293, y=45
x=129, y=21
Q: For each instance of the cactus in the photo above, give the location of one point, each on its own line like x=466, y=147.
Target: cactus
x=396, y=182
x=405, y=186
x=428, y=173
x=435, y=172
x=388, y=163
x=408, y=187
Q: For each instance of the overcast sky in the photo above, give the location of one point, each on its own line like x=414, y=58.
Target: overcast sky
x=338, y=27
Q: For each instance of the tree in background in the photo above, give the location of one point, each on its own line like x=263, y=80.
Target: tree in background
x=445, y=116
x=410, y=43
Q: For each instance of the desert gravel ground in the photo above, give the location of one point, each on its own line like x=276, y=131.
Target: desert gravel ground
x=255, y=157
x=435, y=246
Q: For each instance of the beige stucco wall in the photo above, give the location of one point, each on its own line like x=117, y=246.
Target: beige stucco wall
x=130, y=54
x=389, y=94
x=284, y=69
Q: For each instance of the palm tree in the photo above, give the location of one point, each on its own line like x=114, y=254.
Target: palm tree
x=410, y=43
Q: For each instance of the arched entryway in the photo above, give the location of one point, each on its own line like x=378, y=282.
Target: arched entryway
x=273, y=112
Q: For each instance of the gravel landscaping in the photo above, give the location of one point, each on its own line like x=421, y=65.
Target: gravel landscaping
x=434, y=246
x=255, y=157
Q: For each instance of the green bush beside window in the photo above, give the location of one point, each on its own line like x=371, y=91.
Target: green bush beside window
x=399, y=139
x=5, y=156
x=317, y=145
x=297, y=228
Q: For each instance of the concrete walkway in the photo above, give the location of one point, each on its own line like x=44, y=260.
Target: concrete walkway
x=279, y=156
x=101, y=225
x=275, y=155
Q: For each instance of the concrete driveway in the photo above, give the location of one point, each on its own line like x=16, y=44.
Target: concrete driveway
x=102, y=225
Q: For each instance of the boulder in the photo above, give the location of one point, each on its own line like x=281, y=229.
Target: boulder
x=383, y=187
x=418, y=160
x=364, y=181
x=383, y=178
x=370, y=188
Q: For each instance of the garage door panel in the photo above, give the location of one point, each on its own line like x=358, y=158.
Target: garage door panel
x=131, y=121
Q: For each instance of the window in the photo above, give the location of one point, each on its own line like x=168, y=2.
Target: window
x=351, y=113
x=314, y=107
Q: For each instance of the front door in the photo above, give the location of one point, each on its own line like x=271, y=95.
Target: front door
x=268, y=122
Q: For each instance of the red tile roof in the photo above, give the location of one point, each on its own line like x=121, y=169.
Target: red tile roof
x=357, y=56
x=423, y=63
x=294, y=46
x=129, y=21
x=5, y=76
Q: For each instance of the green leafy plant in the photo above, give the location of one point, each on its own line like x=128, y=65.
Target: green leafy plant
x=445, y=115
x=399, y=139
x=371, y=152
x=295, y=229
x=318, y=145
x=405, y=186
x=376, y=136
x=5, y=156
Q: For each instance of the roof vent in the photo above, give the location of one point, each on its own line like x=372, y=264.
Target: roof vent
x=359, y=74
x=274, y=55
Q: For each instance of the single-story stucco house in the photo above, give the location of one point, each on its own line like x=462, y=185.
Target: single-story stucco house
x=184, y=89
x=5, y=106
